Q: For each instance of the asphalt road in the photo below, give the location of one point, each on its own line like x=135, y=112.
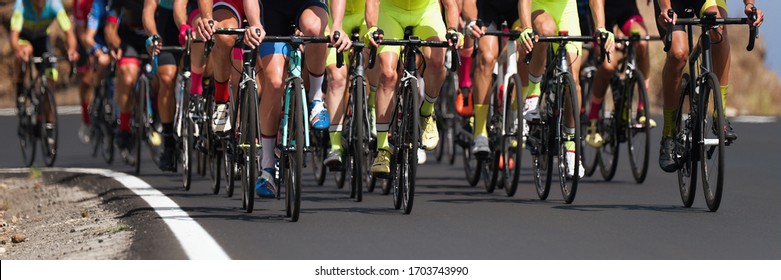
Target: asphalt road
x=450, y=220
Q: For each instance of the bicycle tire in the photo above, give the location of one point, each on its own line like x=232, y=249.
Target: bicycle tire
x=319, y=143
x=247, y=139
x=711, y=157
x=106, y=125
x=687, y=173
x=472, y=165
x=412, y=131
x=186, y=142
x=635, y=146
x=230, y=168
x=25, y=130
x=590, y=155
x=513, y=138
x=140, y=122
x=609, y=123
x=296, y=163
x=359, y=141
x=568, y=191
x=48, y=150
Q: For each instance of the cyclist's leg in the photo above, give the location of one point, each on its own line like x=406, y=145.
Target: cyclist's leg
x=567, y=19
x=388, y=57
x=166, y=74
x=86, y=76
x=721, y=56
x=224, y=17
x=273, y=66
x=127, y=73
x=312, y=22
x=488, y=50
x=544, y=25
x=671, y=81
x=197, y=61
x=429, y=25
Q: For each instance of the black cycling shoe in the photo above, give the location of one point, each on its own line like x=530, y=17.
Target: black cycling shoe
x=122, y=140
x=667, y=155
x=334, y=160
x=729, y=132
x=168, y=160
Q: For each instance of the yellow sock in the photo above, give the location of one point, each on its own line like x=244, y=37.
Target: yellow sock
x=724, y=89
x=533, y=89
x=382, y=141
x=669, y=128
x=336, y=140
x=481, y=113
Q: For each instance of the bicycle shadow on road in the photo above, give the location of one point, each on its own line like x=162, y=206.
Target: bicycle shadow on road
x=631, y=207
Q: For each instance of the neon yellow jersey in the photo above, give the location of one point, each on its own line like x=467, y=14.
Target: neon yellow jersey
x=412, y=4
x=354, y=6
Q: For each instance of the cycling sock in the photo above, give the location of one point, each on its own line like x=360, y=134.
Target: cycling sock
x=168, y=135
x=569, y=132
x=124, y=121
x=196, y=84
x=85, y=113
x=382, y=136
x=335, y=134
x=667, y=131
x=428, y=106
x=481, y=114
x=464, y=79
x=724, y=90
x=316, y=87
x=268, y=143
x=221, y=92
x=534, y=86
x=594, y=113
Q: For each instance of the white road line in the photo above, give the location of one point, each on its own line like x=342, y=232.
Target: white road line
x=61, y=110
x=196, y=242
x=753, y=119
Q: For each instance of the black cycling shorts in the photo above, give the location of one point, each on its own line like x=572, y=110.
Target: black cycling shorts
x=169, y=35
x=493, y=12
x=278, y=17
x=683, y=8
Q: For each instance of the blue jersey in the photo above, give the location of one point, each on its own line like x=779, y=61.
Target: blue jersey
x=34, y=25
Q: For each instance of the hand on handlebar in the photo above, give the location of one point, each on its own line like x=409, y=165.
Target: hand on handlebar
x=341, y=43
x=475, y=29
x=116, y=54
x=760, y=16
x=183, y=33
x=526, y=39
x=22, y=55
x=665, y=18
x=369, y=37
x=454, y=35
x=73, y=55
x=153, y=45
x=204, y=28
x=253, y=36
x=609, y=43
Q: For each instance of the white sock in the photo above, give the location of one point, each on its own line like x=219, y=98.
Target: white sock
x=422, y=92
x=269, y=144
x=316, y=87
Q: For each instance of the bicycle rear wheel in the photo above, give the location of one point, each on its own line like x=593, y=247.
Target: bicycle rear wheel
x=513, y=136
x=638, y=133
x=711, y=148
x=139, y=127
x=49, y=126
x=570, y=95
x=541, y=146
x=587, y=73
x=105, y=126
x=319, y=140
x=687, y=172
x=473, y=167
x=26, y=130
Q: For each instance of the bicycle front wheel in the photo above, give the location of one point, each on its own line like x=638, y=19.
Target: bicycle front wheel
x=610, y=118
x=513, y=136
x=186, y=142
x=711, y=148
x=49, y=126
x=247, y=144
x=569, y=186
x=359, y=140
x=295, y=159
x=638, y=129
x=26, y=130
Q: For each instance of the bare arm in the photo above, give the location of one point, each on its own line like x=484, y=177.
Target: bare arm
x=180, y=12
x=371, y=12
x=451, y=14
x=525, y=13
x=598, y=12
x=148, y=17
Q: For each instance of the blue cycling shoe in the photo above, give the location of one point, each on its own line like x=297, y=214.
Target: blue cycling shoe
x=318, y=115
x=264, y=186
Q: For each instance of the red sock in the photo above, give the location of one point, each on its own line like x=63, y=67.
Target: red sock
x=464, y=80
x=640, y=105
x=221, y=92
x=594, y=113
x=196, y=84
x=85, y=113
x=124, y=122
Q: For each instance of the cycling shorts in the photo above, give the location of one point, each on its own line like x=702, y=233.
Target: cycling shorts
x=278, y=18
x=236, y=7
x=40, y=44
x=164, y=18
x=494, y=13
x=192, y=11
x=425, y=20
x=687, y=9
x=622, y=13
x=351, y=23
x=132, y=45
x=565, y=14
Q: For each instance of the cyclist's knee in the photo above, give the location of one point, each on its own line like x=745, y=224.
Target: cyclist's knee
x=103, y=60
x=388, y=76
x=487, y=59
x=436, y=61
x=126, y=75
x=313, y=23
x=544, y=26
x=336, y=76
